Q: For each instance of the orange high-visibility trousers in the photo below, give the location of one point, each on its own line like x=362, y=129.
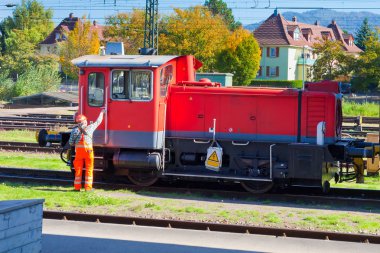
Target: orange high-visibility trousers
x=83, y=155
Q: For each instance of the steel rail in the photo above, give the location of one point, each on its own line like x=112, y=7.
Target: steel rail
x=217, y=227
x=27, y=147
x=39, y=120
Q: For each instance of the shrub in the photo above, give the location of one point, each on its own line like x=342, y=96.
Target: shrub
x=277, y=83
x=34, y=80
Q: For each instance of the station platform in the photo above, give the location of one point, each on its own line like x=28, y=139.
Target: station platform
x=60, y=236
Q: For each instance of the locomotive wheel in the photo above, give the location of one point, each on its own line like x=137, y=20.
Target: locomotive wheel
x=257, y=187
x=143, y=178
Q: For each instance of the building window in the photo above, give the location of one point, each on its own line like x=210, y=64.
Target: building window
x=273, y=71
x=273, y=52
x=296, y=35
x=57, y=36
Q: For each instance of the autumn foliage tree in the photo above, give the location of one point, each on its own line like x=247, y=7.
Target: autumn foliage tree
x=194, y=31
x=127, y=28
x=82, y=40
x=241, y=57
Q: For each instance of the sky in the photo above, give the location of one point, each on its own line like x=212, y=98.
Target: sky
x=247, y=12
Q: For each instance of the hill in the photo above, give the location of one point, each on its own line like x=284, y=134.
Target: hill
x=347, y=21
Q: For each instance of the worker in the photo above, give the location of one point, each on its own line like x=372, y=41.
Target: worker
x=81, y=137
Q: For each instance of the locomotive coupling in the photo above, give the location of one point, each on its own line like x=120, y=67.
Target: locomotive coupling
x=45, y=138
x=365, y=150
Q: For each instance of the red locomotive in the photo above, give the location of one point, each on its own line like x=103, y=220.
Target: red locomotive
x=160, y=122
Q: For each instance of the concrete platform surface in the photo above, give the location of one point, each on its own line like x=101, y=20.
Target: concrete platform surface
x=84, y=237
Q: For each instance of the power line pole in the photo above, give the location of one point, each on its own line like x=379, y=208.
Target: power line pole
x=151, y=28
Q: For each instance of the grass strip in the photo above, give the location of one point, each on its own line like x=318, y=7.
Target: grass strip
x=18, y=135
x=195, y=208
x=32, y=160
x=370, y=183
x=364, y=109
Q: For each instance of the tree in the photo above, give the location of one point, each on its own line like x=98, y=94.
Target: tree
x=21, y=54
x=240, y=57
x=128, y=28
x=194, y=31
x=20, y=35
x=332, y=60
x=30, y=17
x=367, y=68
x=363, y=34
x=82, y=40
x=218, y=7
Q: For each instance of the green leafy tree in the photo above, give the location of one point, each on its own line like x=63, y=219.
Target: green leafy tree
x=32, y=18
x=363, y=34
x=332, y=61
x=194, y=31
x=20, y=35
x=240, y=57
x=80, y=41
x=219, y=7
x=367, y=74
x=128, y=28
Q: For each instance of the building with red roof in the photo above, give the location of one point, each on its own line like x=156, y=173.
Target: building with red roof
x=49, y=44
x=287, y=46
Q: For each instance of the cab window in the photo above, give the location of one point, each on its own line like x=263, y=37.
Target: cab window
x=120, y=80
x=166, y=76
x=95, y=89
x=132, y=85
x=141, y=85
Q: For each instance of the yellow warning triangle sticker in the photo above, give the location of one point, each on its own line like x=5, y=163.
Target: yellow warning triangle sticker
x=214, y=157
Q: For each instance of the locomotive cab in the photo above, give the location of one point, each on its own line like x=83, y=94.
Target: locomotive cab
x=133, y=89
x=125, y=87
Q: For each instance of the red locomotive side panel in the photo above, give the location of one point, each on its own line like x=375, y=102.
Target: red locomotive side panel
x=248, y=114
x=241, y=114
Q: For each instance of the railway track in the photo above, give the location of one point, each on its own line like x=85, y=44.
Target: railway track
x=31, y=123
x=218, y=227
x=27, y=147
x=348, y=198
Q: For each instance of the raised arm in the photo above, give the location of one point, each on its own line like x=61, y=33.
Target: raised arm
x=98, y=120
